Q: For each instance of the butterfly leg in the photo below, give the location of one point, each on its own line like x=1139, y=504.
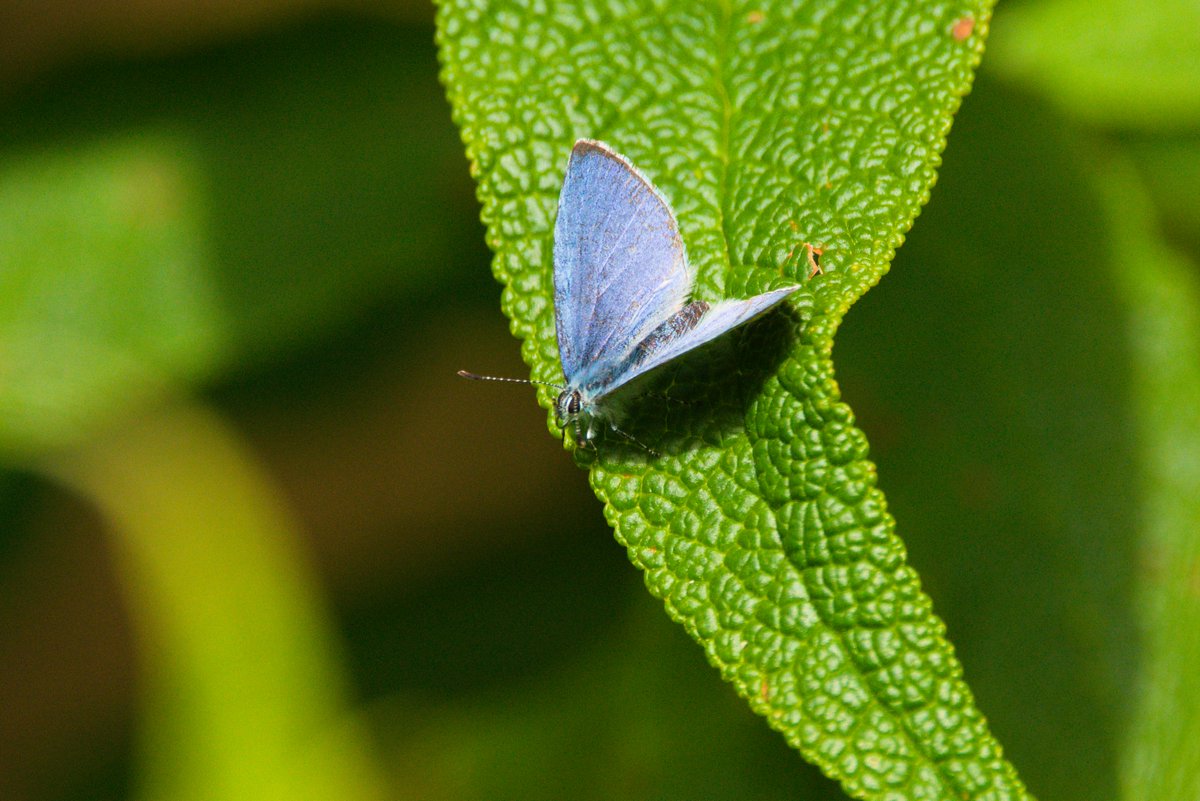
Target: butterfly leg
x=669, y=398
x=635, y=441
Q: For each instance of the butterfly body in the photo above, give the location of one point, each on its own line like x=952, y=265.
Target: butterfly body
x=621, y=287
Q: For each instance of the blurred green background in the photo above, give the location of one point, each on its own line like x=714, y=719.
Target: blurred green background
x=258, y=541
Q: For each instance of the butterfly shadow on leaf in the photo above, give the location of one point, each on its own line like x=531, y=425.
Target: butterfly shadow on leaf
x=702, y=398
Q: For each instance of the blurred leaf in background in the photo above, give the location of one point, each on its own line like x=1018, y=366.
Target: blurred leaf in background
x=182, y=220
x=258, y=232
x=172, y=225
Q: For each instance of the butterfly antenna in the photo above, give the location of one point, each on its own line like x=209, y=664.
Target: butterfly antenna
x=477, y=377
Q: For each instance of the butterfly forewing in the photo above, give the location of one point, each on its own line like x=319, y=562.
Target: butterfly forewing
x=619, y=263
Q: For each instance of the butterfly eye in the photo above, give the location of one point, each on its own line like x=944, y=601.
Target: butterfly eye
x=567, y=405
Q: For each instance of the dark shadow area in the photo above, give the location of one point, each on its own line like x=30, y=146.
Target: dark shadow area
x=704, y=396
x=519, y=612
x=68, y=729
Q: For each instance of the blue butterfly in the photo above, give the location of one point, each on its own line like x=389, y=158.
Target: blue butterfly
x=621, y=287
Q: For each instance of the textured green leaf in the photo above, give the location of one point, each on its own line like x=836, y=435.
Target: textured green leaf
x=766, y=126
x=1114, y=62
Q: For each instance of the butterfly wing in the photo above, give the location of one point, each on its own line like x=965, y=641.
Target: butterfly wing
x=717, y=320
x=619, y=263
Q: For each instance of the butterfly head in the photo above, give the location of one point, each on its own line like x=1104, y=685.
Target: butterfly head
x=568, y=405
x=581, y=413
x=571, y=412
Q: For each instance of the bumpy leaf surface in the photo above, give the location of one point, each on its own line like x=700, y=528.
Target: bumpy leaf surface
x=767, y=126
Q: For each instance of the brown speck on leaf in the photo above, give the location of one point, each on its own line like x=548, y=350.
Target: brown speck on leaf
x=963, y=29
x=814, y=259
x=792, y=223
x=755, y=17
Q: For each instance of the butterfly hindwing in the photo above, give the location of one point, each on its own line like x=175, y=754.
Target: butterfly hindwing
x=620, y=268
x=712, y=323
